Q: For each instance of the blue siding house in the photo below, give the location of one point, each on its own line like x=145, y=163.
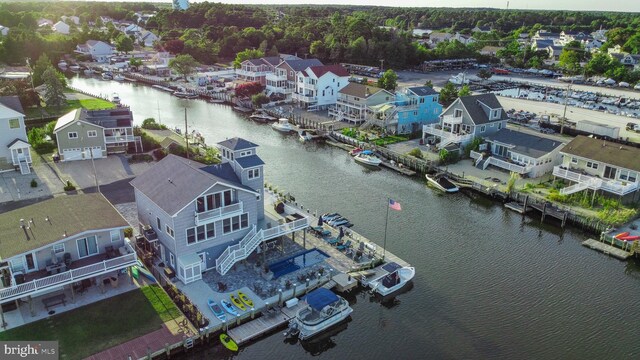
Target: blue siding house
x=416, y=106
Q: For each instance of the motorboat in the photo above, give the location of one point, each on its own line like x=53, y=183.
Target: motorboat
x=282, y=125
x=216, y=309
x=74, y=68
x=327, y=217
x=367, y=157
x=88, y=72
x=118, y=77
x=115, y=98
x=62, y=64
x=185, y=95
x=460, y=79
x=324, y=309
x=305, y=135
x=342, y=222
x=441, y=182
x=261, y=116
x=107, y=75
x=393, y=281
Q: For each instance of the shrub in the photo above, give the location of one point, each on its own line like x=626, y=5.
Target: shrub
x=415, y=153
x=259, y=99
x=136, y=158
x=151, y=124
x=128, y=232
x=159, y=154
x=448, y=157
x=69, y=186
x=44, y=147
x=34, y=183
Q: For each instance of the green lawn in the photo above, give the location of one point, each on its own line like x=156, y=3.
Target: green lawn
x=91, y=104
x=99, y=326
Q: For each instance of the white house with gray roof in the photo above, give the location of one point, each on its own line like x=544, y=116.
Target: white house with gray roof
x=207, y=216
x=99, y=51
x=526, y=154
x=466, y=118
x=14, y=146
x=282, y=81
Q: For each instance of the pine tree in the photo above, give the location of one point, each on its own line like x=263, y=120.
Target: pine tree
x=54, y=88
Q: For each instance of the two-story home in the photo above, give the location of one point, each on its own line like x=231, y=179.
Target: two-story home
x=414, y=107
x=355, y=101
x=147, y=38
x=466, y=118
x=282, y=81
x=207, y=216
x=318, y=86
x=61, y=28
x=14, y=147
x=527, y=154
x=59, y=246
x=256, y=70
x=600, y=166
x=99, y=51
x=84, y=134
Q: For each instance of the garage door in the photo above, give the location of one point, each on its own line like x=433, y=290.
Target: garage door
x=72, y=154
x=97, y=152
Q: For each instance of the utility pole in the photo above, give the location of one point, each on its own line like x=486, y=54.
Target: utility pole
x=381, y=64
x=95, y=173
x=186, y=132
x=564, y=114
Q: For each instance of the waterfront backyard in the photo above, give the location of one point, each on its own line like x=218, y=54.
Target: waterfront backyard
x=102, y=325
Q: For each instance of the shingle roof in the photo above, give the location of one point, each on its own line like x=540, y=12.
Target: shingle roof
x=359, y=90
x=476, y=110
x=272, y=60
x=337, y=69
x=67, y=118
x=112, y=118
x=299, y=65
x=237, y=143
x=16, y=141
x=174, y=182
x=73, y=214
x=12, y=102
x=423, y=91
x=605, y=152
x=249, y=161
x=526, y=144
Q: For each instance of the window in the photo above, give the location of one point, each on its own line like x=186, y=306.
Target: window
x=457, y=113
x=58, y=248
x=421, y=100
x=574, y=160
x=92, y=133
x=214, y=201
x=169, y=231
x=244, y=220
x=200, y=233
x=254, y=173
x=114, y=235
x=245, y=153
x=235, y=223
x=226, y=226
x=593, y=165
x=482, y=128
x=210, y=230
x=14, y=123
x=172, y=260
x=499, y=125
x=435, y=99
x=415, y=113
x=72, y=135
x=158, y=223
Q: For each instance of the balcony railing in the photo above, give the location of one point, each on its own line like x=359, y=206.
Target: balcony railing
x=304, y=98
x=450, y=119
x=279, y=89
x=218, y=214
x=446, y=135
x=594, y=183
x=46, y=283
x=119, y=139
x=248, y=73
x=275, y=77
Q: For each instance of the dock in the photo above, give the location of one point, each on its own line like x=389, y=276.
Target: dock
x=242, y=109
x=607, y=249
x=264, y=324
x=517, y=207
x=395, y=167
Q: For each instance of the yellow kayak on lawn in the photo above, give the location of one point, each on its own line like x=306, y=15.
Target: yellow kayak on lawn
x=228, y=342
x=237, y=303
x=245, y=299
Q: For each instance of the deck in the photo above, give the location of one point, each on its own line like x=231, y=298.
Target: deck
x=264, y=324
x=401, y=170
x=517, y=207
x=607, y=249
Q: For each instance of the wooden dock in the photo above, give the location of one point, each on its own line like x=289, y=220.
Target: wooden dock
x=401, y=170
x=607, y=249
x=264, y=324
x=517, y=207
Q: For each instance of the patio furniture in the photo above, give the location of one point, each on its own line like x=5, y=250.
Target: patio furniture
x=54, y=300
x=344, y=246
x=79, y=288
x=333, y=241
x=56, y=268
x=111, y=252
x=67, y=258
x=169, y=272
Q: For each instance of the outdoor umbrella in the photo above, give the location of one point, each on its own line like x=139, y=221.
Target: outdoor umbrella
x=320, y=221
x=341, y=232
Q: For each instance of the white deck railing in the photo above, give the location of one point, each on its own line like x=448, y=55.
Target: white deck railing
x=219, y=213
x=119, y=139
x=250, y=242
x=39, y=285
x=450, y=119
x=593, y=183
x=446, y=137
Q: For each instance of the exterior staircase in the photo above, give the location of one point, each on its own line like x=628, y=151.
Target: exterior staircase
x=575, y=188
x=24, y=167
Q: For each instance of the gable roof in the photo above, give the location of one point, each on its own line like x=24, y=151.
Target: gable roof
x=109, y=118
x=272, y=60
x=337, y=69
x=12, y=102
x=299, y=65
x=524, y=143
x=237, y=143
x=70, y=214
x=476, y=111
x=249, y=161
x=423, y=90
x=360, y=90
x=174, y=182
x=67, y=119
x=15, y=141
x=606, y=152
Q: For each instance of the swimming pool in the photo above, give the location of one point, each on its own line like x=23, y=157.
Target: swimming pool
x=302, y=260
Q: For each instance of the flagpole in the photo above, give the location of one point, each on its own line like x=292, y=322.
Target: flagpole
x=384, y=248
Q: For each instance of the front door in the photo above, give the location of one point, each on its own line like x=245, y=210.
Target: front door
x=87, y=246
x=203, y=261
x=609, y=172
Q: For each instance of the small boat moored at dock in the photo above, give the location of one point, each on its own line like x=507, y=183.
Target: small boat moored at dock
x=115, y=98
x=185, y=95
x=261, y=116
x=441, y=182
x=282, y=125
x=237, y=302
x=107, y=75
x=228, y=307
x=324, y=309
x=216, y=309
x=393, y=281
x=367, y=157
x=62, y=64
x=118, y=77
x=162, y=88
x=228, y=342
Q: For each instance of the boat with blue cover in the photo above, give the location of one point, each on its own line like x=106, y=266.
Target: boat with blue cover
x=324, y=309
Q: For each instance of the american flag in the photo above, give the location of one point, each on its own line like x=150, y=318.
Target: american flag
x=394, y=205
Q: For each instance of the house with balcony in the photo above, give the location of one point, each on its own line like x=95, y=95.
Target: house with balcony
x=466, y=118
x=256, y=70
x=205, y=217
x=600, y=166
x=99, y=51
x=527, y=154
x=355, y=101
x=317, y=87
x=281, y=83
x=14, y=146
x=59, y=247
x=84, y=134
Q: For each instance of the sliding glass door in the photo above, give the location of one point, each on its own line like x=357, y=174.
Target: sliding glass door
x=87, y=246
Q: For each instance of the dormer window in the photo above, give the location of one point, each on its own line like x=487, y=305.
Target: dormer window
x=495, y=114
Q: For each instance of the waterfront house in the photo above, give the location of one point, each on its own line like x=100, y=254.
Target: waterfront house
x=438, y=37
x=355, y=101
x=527, y=154
x=61, y=28
x=256, y=70
x=64, y=244
x=598, y=165
x=281, y=83
x=415, y=107
x=546, y=35
x=206, y=216
x=14, y=146
x=490, y=50
x=466, y=118
x=84, y=134
x=317, y=86
x=98, y=50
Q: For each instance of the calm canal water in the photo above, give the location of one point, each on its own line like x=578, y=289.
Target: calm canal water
x=489, y=284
